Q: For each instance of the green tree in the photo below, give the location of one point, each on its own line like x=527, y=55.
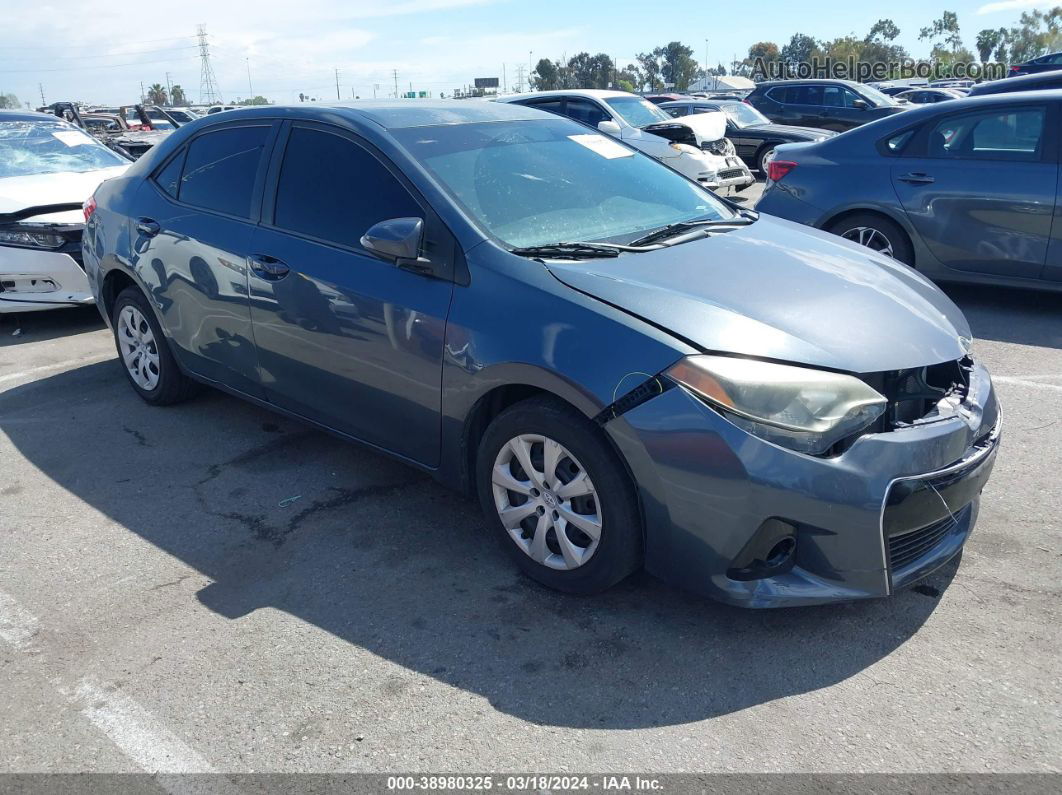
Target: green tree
x=948, y=28
x=883, y=31
x=9, y=101
x=177, y=96
x=650, y=69
x=546, y=76
x=257, y=100
x=678, y=66
x=800, y=49
x=156, y=94
x=988, y=40
x=1036, y=33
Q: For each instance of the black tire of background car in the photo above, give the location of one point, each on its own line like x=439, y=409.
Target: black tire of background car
x=173, y=386
x=619, y=552
x=901, y=244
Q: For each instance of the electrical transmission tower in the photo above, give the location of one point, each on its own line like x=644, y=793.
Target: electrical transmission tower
x=208, y=84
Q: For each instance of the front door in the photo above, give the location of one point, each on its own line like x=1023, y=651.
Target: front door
x=981, y=192
x=344, y=338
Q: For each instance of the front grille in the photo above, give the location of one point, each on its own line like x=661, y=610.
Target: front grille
x=731, y=173
x=909, y=547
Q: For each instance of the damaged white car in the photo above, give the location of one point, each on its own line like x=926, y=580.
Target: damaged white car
x=695, y=146
x=48, y=169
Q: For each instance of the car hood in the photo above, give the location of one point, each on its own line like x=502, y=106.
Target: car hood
x=38, y=190
x=796, y=133
x=778, y=290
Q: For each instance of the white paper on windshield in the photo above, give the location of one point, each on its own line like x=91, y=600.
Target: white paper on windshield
x=604, y=146
x=72, y=137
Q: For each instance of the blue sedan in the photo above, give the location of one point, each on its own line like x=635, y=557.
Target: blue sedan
x=627, y=370
x=963, y=191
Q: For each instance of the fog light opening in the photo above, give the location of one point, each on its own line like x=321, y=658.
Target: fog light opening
x=771, y=551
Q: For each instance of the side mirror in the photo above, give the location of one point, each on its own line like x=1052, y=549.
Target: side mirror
x=860, y=104
x=609, y=127
x=396, y=239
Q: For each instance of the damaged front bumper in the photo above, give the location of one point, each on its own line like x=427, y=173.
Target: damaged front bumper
x=719, y=502
x=33, y=280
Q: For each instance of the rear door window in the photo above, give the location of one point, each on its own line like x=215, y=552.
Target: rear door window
x=332, y=189
x=221, y=168
x=1010, y=134
x=587, y=112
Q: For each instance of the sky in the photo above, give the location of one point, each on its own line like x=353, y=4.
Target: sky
x=92, y=52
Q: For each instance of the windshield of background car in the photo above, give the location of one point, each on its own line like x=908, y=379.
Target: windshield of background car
x=532, y=183
x=742, y=115
x=636, y=111
x=46, y=147
x=875, y=96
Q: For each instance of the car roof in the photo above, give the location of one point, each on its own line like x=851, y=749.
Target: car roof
x=27, y=115
x=1011, y=84
x=395, y=114
x=671, y=103
x=592, y=93
x=809, y=82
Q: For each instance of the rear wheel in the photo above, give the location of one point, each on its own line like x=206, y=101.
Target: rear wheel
x=876, y=233
x=145, y=356
x=558, y=497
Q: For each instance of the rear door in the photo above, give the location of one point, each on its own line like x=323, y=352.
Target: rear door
x=191, y=237
x=344, y=338
x=980, y=188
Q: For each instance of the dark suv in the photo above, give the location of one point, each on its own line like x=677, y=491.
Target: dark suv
x=836, y=105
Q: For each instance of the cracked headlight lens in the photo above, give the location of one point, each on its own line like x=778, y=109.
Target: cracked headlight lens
x=796, y=407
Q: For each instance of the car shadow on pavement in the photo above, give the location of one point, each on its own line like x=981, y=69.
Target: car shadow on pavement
x=17, y=328
x=279, y=515
x=1025, y=317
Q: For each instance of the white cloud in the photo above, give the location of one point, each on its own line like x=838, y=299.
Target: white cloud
x=1014, y=5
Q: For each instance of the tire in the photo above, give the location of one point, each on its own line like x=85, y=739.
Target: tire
x=869, y=229
x=583, y=565
x=143, y=353
x=761, y=161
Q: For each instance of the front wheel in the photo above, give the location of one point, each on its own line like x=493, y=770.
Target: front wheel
x=765, y=156
x=876, y=233
x=558, y=497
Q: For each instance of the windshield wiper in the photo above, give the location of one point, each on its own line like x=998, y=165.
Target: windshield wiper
x=745, y=217
x=574, y=250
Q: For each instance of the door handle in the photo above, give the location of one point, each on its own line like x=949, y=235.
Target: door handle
x=269, y=268
x=916, y=178
x=147, y=227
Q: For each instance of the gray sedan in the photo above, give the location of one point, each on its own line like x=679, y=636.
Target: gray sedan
x=962, y=191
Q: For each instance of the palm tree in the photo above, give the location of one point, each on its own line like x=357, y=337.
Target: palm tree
x=156, y=94
x=177, y=96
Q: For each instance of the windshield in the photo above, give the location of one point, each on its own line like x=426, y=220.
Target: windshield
x=636, y=111
x=532, y=183
x=876, y=96
x=46, y=147
x=742, y=115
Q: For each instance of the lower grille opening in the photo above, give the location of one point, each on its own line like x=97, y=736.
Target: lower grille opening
x=907, y=548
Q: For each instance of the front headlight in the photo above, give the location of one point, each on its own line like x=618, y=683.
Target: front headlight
x=30, y=237
x=686, y=149
x=803, y=409
x=723, y=147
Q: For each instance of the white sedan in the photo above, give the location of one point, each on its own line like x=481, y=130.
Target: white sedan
x=48, y=169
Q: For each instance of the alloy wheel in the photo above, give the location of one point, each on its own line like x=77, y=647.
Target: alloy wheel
x=870, y=237
x=546, y=501
x=140, y=352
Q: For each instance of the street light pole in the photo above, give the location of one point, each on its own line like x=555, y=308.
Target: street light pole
x=250, y=91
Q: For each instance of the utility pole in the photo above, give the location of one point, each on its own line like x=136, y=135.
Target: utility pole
x=396, y=82
x=208, y=84
x=41, y=87
x=505, y=88
x=169, y=91
x=530, y=70
x=143, y=96
x=250, y=91
x=520, y=78
x=337, y=85
x=375, y=88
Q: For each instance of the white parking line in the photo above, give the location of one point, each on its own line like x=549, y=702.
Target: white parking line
x=137, y=732
x=48, y=368
x=17, y=625
x=1003, y=379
